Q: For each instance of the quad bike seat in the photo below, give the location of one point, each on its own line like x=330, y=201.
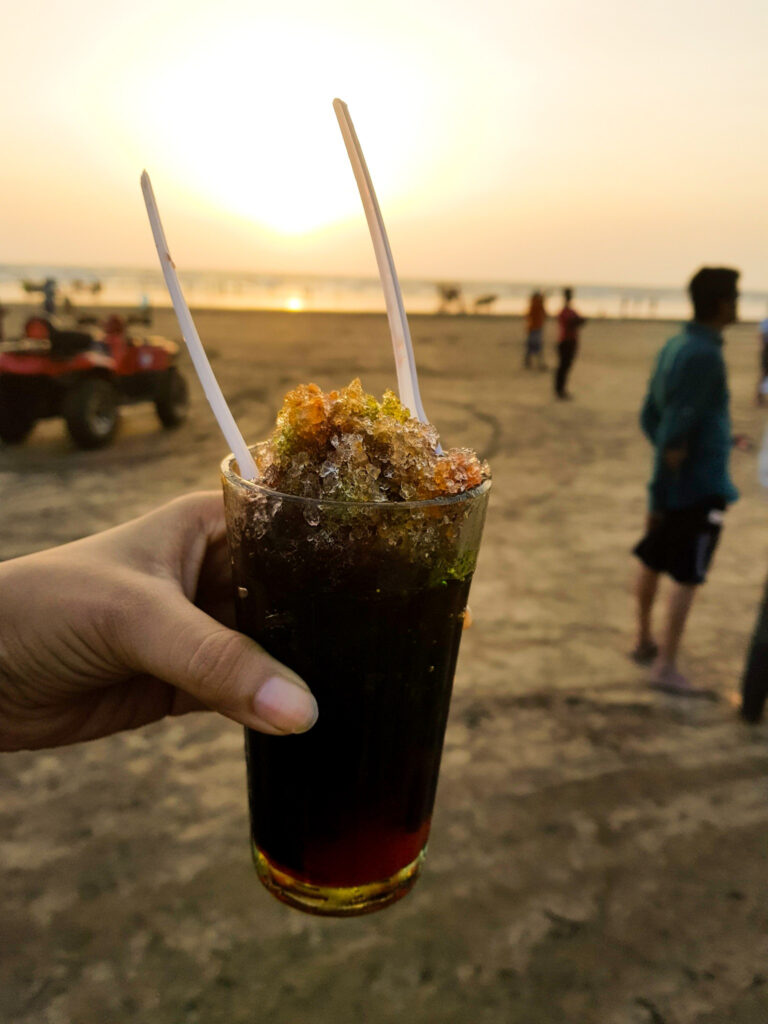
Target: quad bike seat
x=68, y=343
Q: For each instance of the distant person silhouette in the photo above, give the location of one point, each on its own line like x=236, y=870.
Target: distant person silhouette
x=145, y=311
x=686, y=418
x=569, y=324
x=49, y=296
x=534, y=342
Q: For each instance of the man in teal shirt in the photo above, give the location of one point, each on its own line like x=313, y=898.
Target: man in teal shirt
x=685, y=417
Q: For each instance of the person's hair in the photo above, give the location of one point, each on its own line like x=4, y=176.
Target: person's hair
x=709, y=287
x=567, y=294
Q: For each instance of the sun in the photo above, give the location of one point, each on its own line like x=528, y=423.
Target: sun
x=294, y=304
x=278, y=162
x=257, y=138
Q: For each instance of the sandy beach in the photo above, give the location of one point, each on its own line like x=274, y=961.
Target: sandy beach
x=598, y=850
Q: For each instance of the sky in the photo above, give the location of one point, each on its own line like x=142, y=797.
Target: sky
x=564, y=139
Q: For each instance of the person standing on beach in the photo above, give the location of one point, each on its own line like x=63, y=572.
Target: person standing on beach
x=762, y=381
x=534, y=343
x=569, y=324
x=49, y=296
x=685, y=416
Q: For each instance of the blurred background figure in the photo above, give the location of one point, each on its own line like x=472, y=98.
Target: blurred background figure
x=483, y=303
x=451, y=298
x=534, y=342
x=47, y=289
x=49, y=296
x=569, y=325
x=144, y=315
x=754, y=682
x=2, y=318
x=762, y=380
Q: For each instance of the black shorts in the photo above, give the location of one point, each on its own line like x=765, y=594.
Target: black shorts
x=681, y=542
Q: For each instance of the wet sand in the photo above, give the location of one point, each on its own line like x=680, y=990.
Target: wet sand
x=598, y=850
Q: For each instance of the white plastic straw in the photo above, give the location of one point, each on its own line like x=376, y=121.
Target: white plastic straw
x=405, y=364
x=208, y=380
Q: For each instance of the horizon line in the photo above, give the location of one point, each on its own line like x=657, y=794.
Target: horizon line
x=413, y=279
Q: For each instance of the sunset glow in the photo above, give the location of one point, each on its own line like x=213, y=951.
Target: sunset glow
x=548, y=141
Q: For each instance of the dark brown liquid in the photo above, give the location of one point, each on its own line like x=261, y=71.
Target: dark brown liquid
x=350, y=801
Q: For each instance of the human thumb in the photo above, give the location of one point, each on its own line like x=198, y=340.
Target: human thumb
x=222, y=669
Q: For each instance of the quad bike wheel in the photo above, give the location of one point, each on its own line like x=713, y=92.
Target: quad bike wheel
x=90, y=410
x=16, y=422
x=15, y=430
x=172, y=401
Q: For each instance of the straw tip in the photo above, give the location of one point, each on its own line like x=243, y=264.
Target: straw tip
x=339, y=104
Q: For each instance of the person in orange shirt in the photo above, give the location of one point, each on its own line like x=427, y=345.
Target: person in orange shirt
x=535, y=318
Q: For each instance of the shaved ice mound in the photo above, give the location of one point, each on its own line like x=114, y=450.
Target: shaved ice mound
x=347, y=446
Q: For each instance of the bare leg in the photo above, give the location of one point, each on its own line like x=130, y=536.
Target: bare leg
x=680, y=601
x=665, y=675
x=646, y=586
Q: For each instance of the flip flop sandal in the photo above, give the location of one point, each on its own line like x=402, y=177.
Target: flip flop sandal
x=676, y=690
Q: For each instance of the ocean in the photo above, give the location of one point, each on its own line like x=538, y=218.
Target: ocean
x=117, y=286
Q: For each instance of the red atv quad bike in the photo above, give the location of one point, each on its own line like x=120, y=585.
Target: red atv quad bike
x=85, y=376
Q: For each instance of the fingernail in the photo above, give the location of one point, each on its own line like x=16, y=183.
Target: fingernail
x=285, y=705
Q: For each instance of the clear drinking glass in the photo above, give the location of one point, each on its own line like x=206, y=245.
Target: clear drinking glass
x=365, y=601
